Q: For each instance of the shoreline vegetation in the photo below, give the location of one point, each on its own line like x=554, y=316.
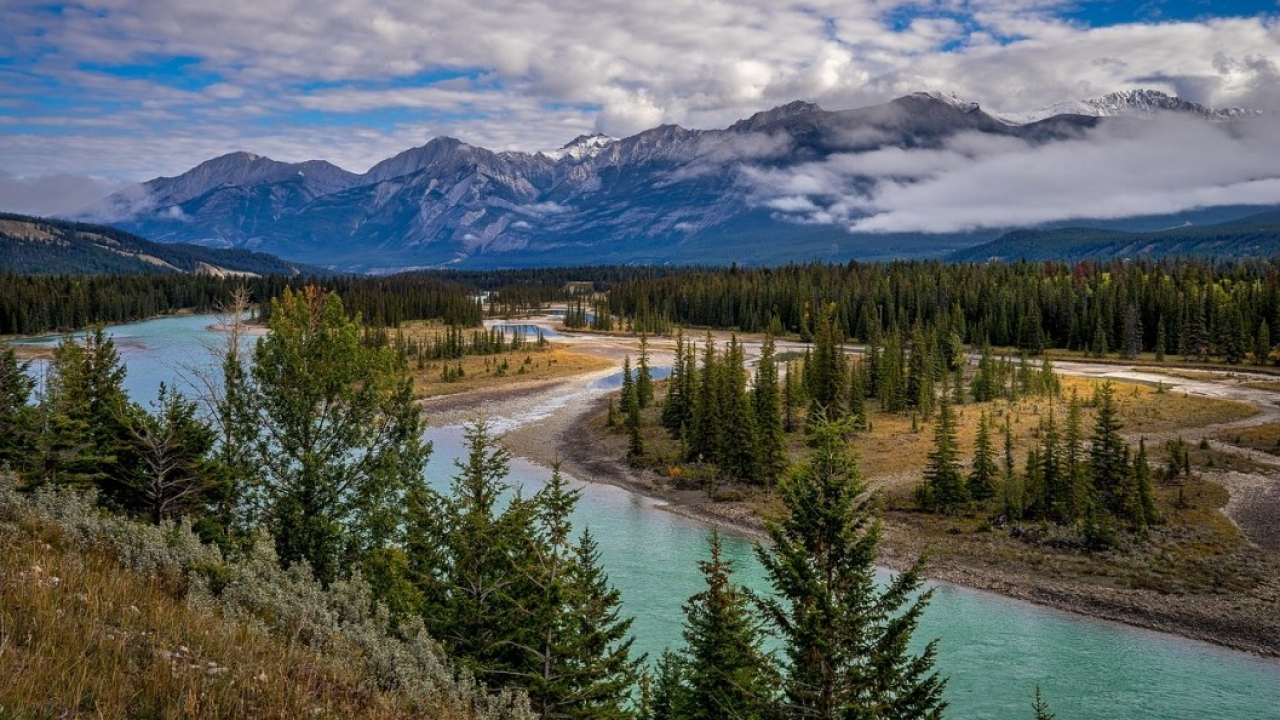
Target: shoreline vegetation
x=577, y=438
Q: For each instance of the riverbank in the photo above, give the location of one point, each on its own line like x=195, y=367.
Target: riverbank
x=1243, y=621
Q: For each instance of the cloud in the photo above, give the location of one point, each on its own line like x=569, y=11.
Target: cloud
x=52, y=194
x=1120, y=169
x=343, y=80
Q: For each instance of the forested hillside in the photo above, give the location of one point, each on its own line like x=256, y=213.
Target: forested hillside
x=44, y=246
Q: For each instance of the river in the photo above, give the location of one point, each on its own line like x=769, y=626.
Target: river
x=994, y=650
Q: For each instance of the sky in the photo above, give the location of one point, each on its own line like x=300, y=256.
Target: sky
x=98, y=94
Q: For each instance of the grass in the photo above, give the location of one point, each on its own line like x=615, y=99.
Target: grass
x=1196, y=549
x=488, y=371
x=1265, y=438
x=81, y=638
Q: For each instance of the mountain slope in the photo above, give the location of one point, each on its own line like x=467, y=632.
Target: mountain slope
x=667, y=194
x=41, y=246
x=1257, y=235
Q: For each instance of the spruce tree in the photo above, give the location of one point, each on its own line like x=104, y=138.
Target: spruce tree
x=943, y=487
x=772, y=443
x=628, y=396
x=729, y=676
x=17, y=416
x=827, y=379
x=675, y=407
x=704, y=433
x=984, y=472
x=845, y=640
x=644, y=379
x=1108, y=466
x=631, y=403
x=1262, y=344
x=340, y=436
x=461, y=549
x=171, y=477
x=1145, y=512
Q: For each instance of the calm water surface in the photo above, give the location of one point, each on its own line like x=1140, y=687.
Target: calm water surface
x=994, y=650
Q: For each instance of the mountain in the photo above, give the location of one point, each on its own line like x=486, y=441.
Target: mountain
x=667, y=194
x=1130, y=103
x=1253, y=236
x=44, y=246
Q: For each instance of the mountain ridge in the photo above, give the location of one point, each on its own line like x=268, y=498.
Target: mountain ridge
x=654, y=194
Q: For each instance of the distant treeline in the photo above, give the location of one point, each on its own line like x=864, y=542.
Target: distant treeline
x=50, y=303
x=1194, y=308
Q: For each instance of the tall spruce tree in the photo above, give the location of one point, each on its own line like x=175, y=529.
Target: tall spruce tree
x=741, y=450
x=461, y=549
x=845, y=640
x=984, y=472
x=1109, y=467
x=828, y=368
x=729, y=676
x=644, y=378
x=943, y=487
x=772, y=443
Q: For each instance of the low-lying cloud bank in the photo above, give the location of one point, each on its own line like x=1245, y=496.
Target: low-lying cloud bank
x=974, y=181
x=52, y=194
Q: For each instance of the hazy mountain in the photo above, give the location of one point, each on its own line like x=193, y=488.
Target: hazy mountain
x=44, y=246
x=1253, y=236
x=668, y=194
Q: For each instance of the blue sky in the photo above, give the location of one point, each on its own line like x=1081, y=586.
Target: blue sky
x=109, y=91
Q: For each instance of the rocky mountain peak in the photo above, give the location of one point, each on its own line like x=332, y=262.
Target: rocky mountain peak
x=768, y=117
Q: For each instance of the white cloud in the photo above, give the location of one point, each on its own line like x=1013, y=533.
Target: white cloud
x=1121, y=169
x=539, y=73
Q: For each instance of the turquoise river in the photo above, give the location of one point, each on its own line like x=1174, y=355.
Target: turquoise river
x=993, y=650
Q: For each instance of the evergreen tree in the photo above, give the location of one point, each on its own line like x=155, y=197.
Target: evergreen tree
x=704, y=434
x=943, y=487
x=983, y=474
x=1108, y=464
x=171, y=477
x=772, y=443
x=461, y=549
x=569, y=668
x=1040, y=707
x=844, y=639
x=81, y=414
x=675, y=409
x=741, y=452
x=644, y=379
x=1262, y=344
x=670, y=691
x=729, y=676
x=1146, y=506
x=629, y=396
x=828, y=368
x=17, y=416
x=340, y=435
x=631, y=405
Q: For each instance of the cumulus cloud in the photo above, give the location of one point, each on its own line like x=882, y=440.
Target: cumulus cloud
x=528, y=75
x=1120, y=169
x=52, y=194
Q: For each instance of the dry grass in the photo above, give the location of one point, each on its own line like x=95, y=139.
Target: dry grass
x=81, y=638
x=482, y=372
x=1265, y=438
x=1267, y=385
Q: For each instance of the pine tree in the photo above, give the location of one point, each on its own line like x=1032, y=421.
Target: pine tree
x=1040, y=707
x=943, y=487
x=569, y=667
x=1262, y=344
x=461, y=551
x=675, y=409
x=729, y=676
x=670, y=690
x=340, y=434
x=845, y=640
x=1146, y=505
x=704, y=433
x=1108, y=466
x=171, y=477
x=628, y=395
x=17, y=416
x=827, y=379
x=644, y=379
x=631, y=404
x=982, y=476
x=772, y=443
x=81, y=414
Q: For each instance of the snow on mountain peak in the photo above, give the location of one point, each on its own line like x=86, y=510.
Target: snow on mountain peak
x=1128, y=103
x=946, y=98
x=583, y=146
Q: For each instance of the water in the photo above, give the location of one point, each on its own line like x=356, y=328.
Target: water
x=529, y=331
x=993, y=649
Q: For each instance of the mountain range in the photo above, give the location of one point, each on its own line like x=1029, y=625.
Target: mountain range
x=668, y=194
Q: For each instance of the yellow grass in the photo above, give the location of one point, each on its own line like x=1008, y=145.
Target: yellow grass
x=1265, y=438
x=80, y=638
x=483, y=372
